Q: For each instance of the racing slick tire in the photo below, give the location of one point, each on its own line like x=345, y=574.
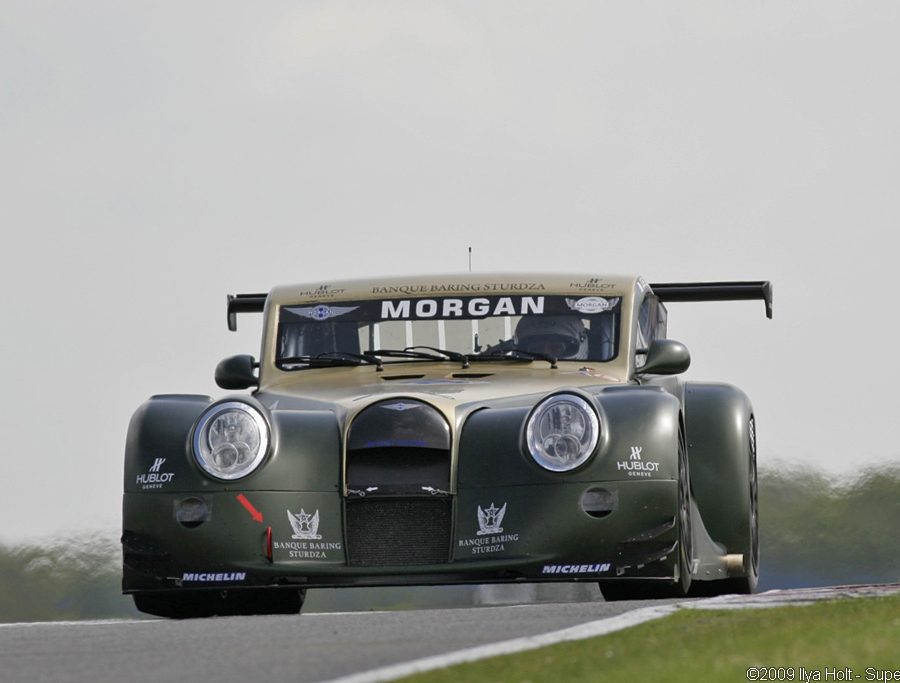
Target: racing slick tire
x=746, y=584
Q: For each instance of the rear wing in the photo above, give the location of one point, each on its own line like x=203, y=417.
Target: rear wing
x=244, y=303
x=715, y=291
x=681, y=291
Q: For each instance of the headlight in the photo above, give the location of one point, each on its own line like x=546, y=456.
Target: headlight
x=230, y=440
x=562, y=432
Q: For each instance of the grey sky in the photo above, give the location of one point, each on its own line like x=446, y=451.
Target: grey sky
x=156, y=156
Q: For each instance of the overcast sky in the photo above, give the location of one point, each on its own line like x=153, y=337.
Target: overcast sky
x=155, y=156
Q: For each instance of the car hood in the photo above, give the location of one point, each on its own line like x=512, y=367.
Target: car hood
x=446, y=386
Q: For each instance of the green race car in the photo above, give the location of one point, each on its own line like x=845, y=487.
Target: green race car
x=446, y=430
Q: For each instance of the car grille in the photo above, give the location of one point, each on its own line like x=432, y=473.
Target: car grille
x=399, y=507
x=398, y=532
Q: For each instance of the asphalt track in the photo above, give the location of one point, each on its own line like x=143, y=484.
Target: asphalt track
x=299, y=649
x=318, y=647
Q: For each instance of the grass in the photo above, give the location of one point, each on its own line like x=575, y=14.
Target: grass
x=699, y=645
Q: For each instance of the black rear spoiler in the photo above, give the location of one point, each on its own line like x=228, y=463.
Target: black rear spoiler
x=715, y=291
x=680, y=291
x=244, y=303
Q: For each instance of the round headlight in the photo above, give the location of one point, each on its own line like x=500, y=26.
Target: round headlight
x=230, y=440
x=562, y=432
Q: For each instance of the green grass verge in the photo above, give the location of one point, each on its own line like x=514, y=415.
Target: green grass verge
x=700, y=645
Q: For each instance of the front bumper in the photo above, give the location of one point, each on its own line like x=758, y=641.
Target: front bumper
x=320, y=539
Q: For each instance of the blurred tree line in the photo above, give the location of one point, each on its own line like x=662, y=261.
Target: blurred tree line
x=63, y=579
x=814, y=531
x=818, y=531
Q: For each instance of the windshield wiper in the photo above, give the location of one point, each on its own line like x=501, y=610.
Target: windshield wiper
x=516, y=353
x=360, y=358
x=406, y=353
x=411, y=353
x=450, y=355
x=331, y=359
x=455, y=356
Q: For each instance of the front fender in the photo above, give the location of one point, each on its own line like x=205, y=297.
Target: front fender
x=157, y=448
x=304, y=452
x=716, y=424
x=639, y=440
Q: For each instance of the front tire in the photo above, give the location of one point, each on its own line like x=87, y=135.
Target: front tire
x=746, y=584
x=685, y=527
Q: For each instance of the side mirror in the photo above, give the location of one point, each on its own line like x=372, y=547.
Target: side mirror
x=665, y=357
x=236, y=372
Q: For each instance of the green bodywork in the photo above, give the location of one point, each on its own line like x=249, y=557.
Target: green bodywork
x=614, y=519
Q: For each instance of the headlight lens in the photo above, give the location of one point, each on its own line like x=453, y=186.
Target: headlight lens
x=230, y=440
x=562, y=432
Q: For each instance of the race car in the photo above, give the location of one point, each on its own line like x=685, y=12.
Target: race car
x=464, y=429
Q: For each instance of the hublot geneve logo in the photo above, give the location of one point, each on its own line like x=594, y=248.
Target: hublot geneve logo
x=154, y=479
x=636, y=466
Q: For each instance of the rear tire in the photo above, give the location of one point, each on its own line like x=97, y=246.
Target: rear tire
x=749, y=582
x=201, y=604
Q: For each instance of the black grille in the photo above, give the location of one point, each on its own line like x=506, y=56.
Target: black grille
x=383, y=533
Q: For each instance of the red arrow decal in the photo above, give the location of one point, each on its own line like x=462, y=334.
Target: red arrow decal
x=254, y=513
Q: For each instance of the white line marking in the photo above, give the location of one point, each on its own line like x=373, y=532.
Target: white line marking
x=589, y=630
x=157, y=620
x=93, y=622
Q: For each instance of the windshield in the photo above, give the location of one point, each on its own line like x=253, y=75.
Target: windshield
x=446, y=328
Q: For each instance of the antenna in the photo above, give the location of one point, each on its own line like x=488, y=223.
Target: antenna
x=470, y=259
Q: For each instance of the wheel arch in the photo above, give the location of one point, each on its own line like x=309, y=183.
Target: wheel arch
x=716, y=422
